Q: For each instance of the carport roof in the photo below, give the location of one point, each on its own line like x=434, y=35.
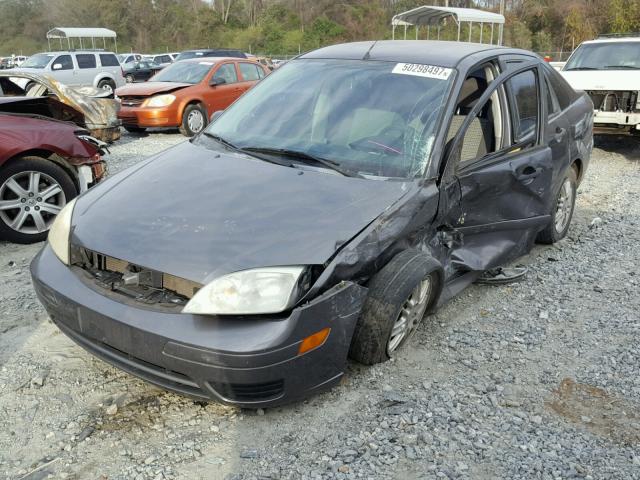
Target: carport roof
x=81, y=33
x=427, y=15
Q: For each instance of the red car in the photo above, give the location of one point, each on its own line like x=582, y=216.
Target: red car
x=43, y=165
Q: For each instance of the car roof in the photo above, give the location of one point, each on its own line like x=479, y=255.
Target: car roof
x=436, y=52
x=70, y=52
x=213, y=60
x=614, y=40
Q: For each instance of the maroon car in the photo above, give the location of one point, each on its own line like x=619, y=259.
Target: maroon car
x=44, y=163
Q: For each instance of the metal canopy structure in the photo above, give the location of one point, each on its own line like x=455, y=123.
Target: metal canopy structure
x=434, y=17
x=73, y=34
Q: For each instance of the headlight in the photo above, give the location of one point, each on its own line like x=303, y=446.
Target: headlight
x=258, y=291
x=159, y=101
x=59, y=232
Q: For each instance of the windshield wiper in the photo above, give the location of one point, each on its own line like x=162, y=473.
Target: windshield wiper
x=234, y=147
x=581, y=68
x=302, y=156
x=621, y=67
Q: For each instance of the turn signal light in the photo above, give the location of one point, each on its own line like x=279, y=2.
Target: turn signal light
x=313, y=341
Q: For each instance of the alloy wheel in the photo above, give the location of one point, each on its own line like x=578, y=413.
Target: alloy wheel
x=564, y=206
x=30, y=201
x=410, y=315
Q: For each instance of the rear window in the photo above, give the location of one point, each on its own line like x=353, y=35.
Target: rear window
x=86, y=60
x=109, y=60
x=563, y=90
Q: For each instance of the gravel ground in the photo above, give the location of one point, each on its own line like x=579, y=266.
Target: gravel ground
x=539, y=379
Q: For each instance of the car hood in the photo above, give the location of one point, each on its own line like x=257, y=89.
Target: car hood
x=150, y=88
x=198, y=213
x=603, y=79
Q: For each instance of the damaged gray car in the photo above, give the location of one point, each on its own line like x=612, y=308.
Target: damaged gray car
x=321, y=216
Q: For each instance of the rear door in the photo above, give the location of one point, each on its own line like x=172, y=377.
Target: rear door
x=87, y=68
x=504, y=195
x=250, y=73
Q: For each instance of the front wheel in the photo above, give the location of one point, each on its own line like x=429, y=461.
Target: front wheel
x=562, y=212
x=33, y=190
x=194, y=119
x=399, y=296
x=107, y=85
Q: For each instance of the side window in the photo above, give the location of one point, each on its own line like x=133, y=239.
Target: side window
x=86, y=60
x=524, y=105
x=484, y=134
x=250, y=72
x=553, y=106
x=226, y=72
x=108, y=60
x=65, y=62
x=562, y=89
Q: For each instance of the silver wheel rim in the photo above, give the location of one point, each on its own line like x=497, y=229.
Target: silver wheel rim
x=30, y=201
x=107, y=87
x=129, y=79
x=410, y=315
x=564, y=206
x=195, y=121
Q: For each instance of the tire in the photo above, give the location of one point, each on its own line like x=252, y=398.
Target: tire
x=135, y=129
x=390, y=291
x=21, y=173
x=189, y=122
x=107, y=84
x=129, y=78
x=562, y=212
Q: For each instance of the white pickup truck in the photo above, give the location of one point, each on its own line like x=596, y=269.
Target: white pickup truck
x=608, y=69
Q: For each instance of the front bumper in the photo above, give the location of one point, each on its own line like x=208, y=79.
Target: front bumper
x=249, y=362
x=149, y=117
x=615, y=121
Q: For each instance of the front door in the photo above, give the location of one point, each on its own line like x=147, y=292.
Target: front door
x=504, y=190
x=225, y=90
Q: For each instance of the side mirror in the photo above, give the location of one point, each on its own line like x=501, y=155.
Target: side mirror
x=215, y=81
x=215, y=115
x=56, y=66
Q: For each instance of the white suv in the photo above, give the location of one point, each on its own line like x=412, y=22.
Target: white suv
x=77, y=68
x=608, y=69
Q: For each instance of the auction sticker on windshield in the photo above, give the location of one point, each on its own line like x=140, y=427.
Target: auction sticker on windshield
x=420, y=70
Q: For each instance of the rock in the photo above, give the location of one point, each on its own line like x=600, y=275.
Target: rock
x=149, y=460
x=595, y=223
x=249, y=453
x=37, y=381
x=112, y=409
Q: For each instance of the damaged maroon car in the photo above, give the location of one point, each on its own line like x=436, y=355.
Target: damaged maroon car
x=44, y=164
x=322, y=215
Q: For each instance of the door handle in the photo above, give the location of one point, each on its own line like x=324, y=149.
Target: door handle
x=558, y=136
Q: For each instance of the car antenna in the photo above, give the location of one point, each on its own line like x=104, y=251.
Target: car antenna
x=368, y=54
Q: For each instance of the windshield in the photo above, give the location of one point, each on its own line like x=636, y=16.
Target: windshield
x=187, y=72
x=374, y=118
x=605, y=56
x=40, y=60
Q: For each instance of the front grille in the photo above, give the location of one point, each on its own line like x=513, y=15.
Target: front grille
x=132, y=101
x=144, y=285
x=255, y=392
x=613, y=100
